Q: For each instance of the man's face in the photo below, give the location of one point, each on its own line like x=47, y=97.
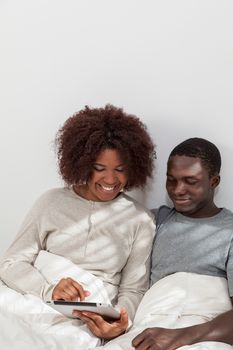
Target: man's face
x=190, y=187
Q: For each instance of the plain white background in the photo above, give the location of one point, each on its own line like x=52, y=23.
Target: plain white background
x=170, y=62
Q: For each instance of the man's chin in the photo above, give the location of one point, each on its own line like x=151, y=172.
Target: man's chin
x=183, y=209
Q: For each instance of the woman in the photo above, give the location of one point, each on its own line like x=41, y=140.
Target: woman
x=101, y=152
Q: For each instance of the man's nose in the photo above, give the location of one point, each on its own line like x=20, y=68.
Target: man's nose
x=180, y=188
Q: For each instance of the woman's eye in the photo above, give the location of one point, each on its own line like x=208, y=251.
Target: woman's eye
x=120, y=169
x=98, y=167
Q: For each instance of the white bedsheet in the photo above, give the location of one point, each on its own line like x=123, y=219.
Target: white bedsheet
x=179, y=300
x=27, y=323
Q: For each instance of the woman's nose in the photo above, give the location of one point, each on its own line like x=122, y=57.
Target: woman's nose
x=110, y=177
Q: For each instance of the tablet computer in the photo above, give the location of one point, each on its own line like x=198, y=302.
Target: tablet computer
x=107, y=311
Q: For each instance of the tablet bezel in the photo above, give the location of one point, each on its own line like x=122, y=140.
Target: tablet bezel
x=107, y=311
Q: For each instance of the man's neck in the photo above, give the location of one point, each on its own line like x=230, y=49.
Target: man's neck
x=203, y=213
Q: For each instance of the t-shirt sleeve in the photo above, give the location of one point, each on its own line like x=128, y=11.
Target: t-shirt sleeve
x=229, y=269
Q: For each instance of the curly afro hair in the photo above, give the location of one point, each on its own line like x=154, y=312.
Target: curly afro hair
x=200, y=148
x=92, y=130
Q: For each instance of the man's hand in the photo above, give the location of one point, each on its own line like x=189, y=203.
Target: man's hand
x=101, y=328
x=69, y=289
x=157, y=338
x=219, y=329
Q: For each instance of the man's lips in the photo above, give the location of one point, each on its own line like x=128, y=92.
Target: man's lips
x=181, y=200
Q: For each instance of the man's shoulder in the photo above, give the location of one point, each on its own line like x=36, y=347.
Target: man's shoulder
x=227, y=212
x=161, y=213
x=227, y=217
x=161, y=209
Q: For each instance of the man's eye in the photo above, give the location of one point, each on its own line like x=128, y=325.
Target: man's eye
x=170, y=179
x=191, y=182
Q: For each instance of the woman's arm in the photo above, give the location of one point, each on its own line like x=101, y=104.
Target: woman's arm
x=17, y=269
x=17, y=264
x=135, y=275
x=134, y=283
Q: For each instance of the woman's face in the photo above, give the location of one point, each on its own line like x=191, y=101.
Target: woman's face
x=108, y=177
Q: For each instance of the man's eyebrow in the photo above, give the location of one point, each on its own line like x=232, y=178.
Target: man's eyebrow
x=184, y=177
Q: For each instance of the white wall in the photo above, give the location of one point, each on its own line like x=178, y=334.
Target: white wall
x=168, y=61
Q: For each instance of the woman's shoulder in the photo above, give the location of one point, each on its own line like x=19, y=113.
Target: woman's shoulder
x=137, y=206
x=53, y=195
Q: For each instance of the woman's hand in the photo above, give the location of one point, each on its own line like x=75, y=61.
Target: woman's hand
x=100, y=327
x=69, y=289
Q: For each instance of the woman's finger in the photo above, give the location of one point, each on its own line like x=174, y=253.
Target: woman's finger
x=79, y=288
x=72, y=289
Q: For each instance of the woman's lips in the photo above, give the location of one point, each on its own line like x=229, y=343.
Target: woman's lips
x=108, y=189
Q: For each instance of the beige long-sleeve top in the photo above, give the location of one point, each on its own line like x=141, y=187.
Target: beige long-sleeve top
x=112, y=240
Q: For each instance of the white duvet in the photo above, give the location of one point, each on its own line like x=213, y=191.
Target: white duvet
x=179, y=300
x=27, y=323
x=182, y=299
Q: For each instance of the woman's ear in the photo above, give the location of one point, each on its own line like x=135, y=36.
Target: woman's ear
x=215, y=180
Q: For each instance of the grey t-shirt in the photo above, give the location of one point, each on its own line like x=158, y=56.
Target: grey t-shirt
x=203, y=246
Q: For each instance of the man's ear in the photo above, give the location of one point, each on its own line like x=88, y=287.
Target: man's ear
x=215, y=180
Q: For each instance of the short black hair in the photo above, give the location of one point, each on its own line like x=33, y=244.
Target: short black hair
x=200, y=148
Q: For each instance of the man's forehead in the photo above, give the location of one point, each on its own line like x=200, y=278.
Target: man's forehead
x=187, y=165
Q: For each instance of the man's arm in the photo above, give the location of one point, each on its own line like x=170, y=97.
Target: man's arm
x=219, y=329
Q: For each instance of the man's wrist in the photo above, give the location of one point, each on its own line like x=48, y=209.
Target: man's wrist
x=198, y=333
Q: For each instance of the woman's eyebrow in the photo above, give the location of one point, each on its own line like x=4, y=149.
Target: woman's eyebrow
x=121, y=164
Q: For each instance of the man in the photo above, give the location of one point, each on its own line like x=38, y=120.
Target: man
x=195, y=236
